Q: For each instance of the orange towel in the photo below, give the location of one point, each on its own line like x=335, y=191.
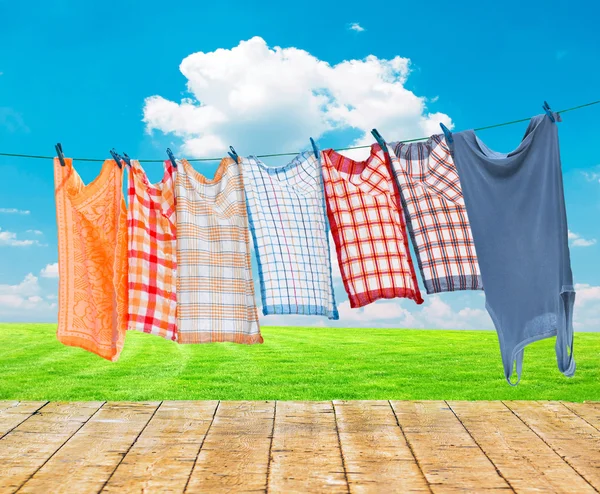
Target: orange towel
x=92, y=259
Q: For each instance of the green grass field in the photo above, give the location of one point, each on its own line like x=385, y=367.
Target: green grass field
x=292, y=364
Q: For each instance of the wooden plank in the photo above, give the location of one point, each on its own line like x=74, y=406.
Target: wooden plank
x=590, y=412
x=449, y=458
x=4, y=404
x=375, y=451
x=162, y=458
x=89, y=458
x=45, y=453
x=33, y=442
x=569, y=435
x=235, y=453
x=306, y=455
x=524, y=460
x=14, y=412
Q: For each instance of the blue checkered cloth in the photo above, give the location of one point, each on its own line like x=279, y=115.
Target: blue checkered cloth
x=288, y=221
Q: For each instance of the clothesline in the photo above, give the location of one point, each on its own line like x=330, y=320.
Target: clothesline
x=14, y=155
x=175, y=261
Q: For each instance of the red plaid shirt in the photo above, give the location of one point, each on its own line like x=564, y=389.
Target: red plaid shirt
x=368, y=228
x=436, y=215
x=152, y=253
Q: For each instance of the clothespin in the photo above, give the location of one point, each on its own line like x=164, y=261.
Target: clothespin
x=447, y=133
x=126, y=159
x=233, y=154
x=172, y=158
x=315, y=148
x=380, y=140
x=548, y=111
x=116, y=157
x=59, y=153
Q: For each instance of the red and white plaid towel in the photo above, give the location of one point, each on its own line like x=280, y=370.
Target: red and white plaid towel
x=368, y=228
x=152, y=253
x=436, y=214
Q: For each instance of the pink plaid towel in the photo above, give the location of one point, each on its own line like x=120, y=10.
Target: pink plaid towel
x=436, y=215
x=368, y=228
x=151, y=225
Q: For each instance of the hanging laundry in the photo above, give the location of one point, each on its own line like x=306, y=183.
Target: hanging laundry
x=215, y=290
x=288, y=221
x=151, y=223
x=517, y=213
x=436, y=215
x=92, y=259
x=368, y=228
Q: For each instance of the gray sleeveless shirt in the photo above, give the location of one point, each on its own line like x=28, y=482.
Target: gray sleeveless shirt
x=516, y=208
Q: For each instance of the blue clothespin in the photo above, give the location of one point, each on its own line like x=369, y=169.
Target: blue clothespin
x=315, y=148
x=59, y=153
x=171, y=157
x=548, y=111
x=233, y=154
x=380, y=140
x=447, y=133
x=126, y=159
x=116, y=157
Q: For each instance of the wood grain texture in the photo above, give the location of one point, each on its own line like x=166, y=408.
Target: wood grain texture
x=527, y=463
x=235, y=453
x=306, y=455
x=91, y=455
x=12, y=413
x=576, y=441
x=341, y=446
x=27, y=447
x=375, y=451
x=590, y=412
x=5, y=404
x=162, y=458
x=449, y=458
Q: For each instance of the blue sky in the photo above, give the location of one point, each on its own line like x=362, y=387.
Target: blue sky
x=81, y=72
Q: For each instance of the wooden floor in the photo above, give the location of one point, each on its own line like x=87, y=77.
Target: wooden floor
x=339, y=446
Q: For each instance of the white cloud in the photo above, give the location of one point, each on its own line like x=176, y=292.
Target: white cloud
x=28, y=287
x=13, y=211
x=24, y=302
x=35, y=232
x=336, y=274
x=10, y=239
x=435, y=313
x=438, y=314
x=262, y=99
x=380, y=314
x=585, y=294
x=355, y=26
x=586, y=313
x=50, y=271
x=578, y=241
x=593, y=176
